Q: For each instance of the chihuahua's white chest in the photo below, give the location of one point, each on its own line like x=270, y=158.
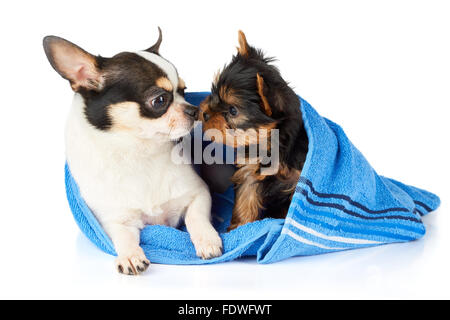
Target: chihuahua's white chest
x=124, y=178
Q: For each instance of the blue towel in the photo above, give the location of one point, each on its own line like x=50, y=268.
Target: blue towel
x=340, y=203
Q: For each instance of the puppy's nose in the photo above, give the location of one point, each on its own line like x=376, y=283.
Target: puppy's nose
x=205, y=116
x=191, y=111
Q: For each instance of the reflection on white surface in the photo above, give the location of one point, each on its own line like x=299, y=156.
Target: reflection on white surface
x=388, y=271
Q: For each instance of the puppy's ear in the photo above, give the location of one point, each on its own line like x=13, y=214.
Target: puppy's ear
x=73, y=64
x=155, y=48
x=261, y=86
x=244, y=48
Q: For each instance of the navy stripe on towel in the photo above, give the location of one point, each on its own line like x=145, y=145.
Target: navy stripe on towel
x=423, y=205
x=304, y=192
x=348, y=199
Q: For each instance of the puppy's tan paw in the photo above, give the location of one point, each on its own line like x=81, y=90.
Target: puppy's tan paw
x=133, y=263
x=208, y=246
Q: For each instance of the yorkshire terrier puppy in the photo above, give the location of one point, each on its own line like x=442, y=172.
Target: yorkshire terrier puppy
x=250, y=98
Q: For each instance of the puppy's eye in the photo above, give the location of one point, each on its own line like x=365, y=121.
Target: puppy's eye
x=159, y=102
x=233, y=111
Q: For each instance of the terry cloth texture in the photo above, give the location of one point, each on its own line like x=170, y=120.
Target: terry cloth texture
x=340, y=203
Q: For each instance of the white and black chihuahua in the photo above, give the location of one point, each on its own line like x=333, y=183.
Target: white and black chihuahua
x=126, y=114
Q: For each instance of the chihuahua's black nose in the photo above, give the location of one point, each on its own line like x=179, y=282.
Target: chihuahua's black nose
x=191, y=111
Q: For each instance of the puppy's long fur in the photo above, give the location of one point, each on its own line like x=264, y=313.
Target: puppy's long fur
x=126, y=113
x=249, y=95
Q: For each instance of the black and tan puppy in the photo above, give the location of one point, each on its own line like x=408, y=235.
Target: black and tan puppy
x=250, y=97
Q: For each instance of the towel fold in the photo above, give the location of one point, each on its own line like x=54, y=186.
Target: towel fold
x=340, y=203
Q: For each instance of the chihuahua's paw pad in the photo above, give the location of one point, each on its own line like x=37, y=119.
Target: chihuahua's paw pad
x=209, y=246
x=133, y=263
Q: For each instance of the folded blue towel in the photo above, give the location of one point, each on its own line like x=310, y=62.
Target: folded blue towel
x=340, y=203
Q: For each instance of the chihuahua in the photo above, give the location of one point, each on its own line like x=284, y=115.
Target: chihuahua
x=127, y=114
x=250, y=98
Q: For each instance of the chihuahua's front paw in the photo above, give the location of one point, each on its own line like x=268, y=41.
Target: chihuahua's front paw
x=209, y=245
x=133, y=263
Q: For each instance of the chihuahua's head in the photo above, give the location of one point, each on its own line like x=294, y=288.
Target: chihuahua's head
x=248, y=96
x=139, y=93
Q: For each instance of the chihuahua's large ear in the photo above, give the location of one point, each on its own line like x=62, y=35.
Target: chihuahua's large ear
x=155, y=48
x=244, y=48
x=262, y=89
x=73, y=64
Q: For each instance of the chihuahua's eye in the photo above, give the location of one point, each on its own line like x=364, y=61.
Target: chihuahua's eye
x=159, y=102
x=233, y=111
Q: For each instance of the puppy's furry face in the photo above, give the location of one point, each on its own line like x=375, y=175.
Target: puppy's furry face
x=136, y=93
x=249, y=96
x=235, y=111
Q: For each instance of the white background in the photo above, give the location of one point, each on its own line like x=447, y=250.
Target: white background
x=381, y=69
